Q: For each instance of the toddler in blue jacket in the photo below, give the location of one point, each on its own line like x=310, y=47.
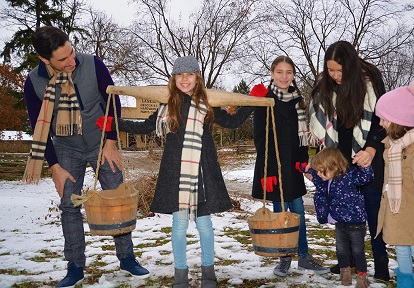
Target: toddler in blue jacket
x=338, y=200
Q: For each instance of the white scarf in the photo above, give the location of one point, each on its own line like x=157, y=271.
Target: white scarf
x=325, y=132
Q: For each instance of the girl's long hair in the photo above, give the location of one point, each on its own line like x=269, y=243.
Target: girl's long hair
x=175, y=101
x=396, y=131
x=351, y=92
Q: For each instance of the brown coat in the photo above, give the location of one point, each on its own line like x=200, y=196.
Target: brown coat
x=398, y=229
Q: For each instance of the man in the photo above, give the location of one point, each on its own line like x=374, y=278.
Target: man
x=75, y=97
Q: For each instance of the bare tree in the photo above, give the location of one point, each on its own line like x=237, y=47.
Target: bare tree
x=217, y=35
x=398, y=67
x=303, y=29
x=29, y=15
x=110, y=42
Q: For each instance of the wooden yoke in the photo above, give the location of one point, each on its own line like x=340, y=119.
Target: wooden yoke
x=216, y=98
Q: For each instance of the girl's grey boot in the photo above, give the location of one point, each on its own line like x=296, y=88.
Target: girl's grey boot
x=208, y=277
x=180, y=278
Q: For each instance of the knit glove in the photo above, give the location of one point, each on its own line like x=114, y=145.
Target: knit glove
x=270, y=181
x=258, y=90
x=300, y=166
x=100, y=123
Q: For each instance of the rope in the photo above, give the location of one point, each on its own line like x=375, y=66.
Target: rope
x=279, y=167
x=111, y=96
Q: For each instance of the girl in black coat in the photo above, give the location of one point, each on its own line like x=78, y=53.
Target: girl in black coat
x=292, y=132
x=190, y=184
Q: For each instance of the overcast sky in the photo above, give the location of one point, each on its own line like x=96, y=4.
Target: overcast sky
x=123, y=11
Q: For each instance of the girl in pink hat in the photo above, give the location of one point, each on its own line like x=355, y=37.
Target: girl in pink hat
x=396, y=111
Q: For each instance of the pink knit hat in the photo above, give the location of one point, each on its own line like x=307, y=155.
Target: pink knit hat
x=397, y=106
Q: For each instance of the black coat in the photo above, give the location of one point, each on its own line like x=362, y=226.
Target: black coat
x=286, y=119
x=212, y=192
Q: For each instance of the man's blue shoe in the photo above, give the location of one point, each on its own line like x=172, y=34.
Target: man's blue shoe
x=73, y=278
x=131, y=265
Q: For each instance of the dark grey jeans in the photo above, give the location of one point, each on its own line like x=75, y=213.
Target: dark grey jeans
x=75, y=162
x=350, y=241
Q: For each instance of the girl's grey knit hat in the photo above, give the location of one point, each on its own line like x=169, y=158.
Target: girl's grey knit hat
x=185, y=64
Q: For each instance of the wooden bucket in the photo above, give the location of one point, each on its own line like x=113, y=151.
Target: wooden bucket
x=112, y=212
x=274, y=234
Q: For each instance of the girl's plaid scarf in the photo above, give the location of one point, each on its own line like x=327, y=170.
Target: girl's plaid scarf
x=324, y=131
x=303, y=129
x=394, y=187
x=190, y=156
x=68, y=121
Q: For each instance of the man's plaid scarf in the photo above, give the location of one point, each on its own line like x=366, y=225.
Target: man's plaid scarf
x=190, y=156
x=68, y=121
x=324, y=129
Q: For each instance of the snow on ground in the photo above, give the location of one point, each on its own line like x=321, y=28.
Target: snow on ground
x=30, y=230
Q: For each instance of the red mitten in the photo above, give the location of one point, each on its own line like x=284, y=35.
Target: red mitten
x=270, y=181
x=300, y=166
x=259, y=90
x=100, y=123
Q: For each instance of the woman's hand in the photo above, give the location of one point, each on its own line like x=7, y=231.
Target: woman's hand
x=364, y=157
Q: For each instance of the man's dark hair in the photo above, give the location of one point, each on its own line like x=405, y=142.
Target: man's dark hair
x=47, y=39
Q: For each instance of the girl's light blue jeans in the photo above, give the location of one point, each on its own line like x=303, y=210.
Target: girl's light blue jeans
x=405, y=256
x=179, y=240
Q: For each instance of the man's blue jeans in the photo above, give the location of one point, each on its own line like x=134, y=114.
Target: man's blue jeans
x=405, y=256
x=179, y=240
x=296, y=206
x=75, y=162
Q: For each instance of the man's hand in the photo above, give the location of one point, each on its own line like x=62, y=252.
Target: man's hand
x=59, y=176
x=110, y=153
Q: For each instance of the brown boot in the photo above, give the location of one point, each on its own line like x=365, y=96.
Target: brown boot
x=345, y=276
x=362, y=281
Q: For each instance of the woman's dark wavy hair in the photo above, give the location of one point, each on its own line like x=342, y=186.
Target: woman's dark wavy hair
x=351, y=92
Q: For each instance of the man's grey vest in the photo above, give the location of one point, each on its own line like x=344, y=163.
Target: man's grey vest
x=91, y=103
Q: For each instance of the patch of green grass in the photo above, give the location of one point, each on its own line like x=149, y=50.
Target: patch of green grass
x=13, y=272
x=166, y=230
x=38, y=259
x=226, y=262
x=50, y=254
x=241, y=236
x=108, y=247
x=165, y=252
x=28, y=285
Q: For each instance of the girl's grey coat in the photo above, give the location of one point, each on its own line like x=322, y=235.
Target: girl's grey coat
x=213, y=196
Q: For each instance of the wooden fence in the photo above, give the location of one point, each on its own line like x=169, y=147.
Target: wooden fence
x=12, y=165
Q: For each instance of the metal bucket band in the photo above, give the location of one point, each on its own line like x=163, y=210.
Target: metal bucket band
x=275, y=250
x=274, y=231
x=112, y=226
